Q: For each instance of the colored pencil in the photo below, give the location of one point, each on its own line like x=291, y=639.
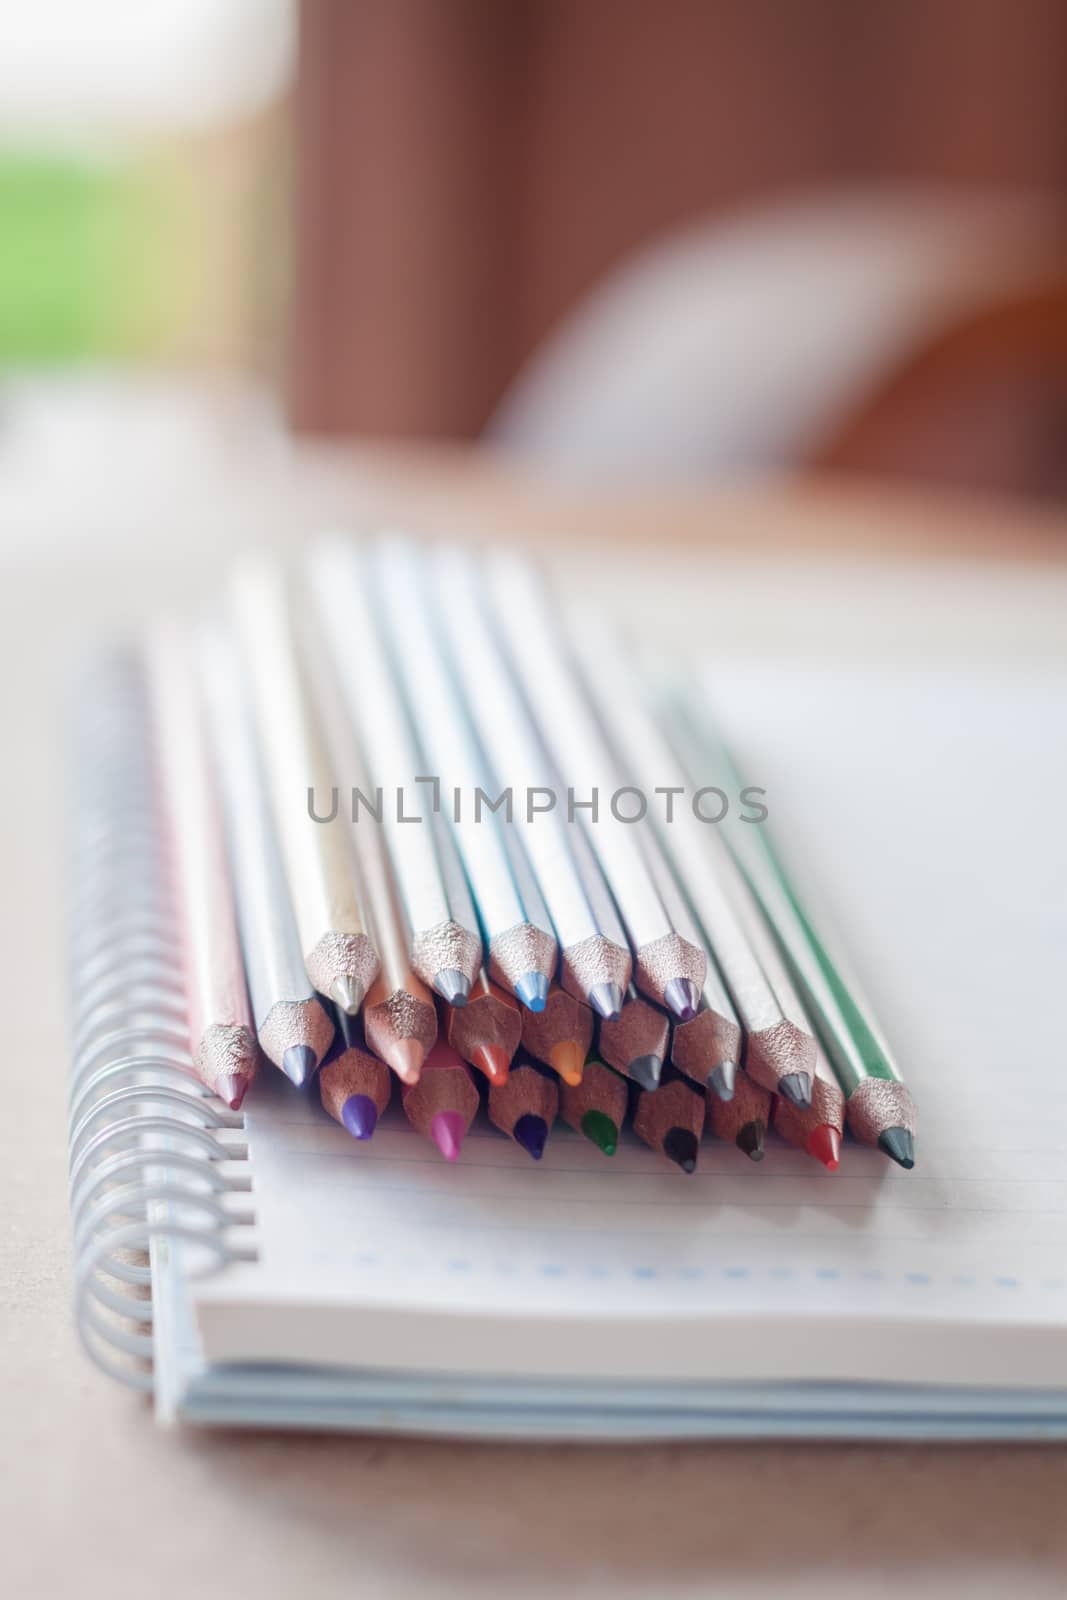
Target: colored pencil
x=742, y=1120
x=595, y=962
x=561, y=1035
x=708, y=1048
x=294, y=1029
x=355, y=1088
x=444, y=940
x=596, y=1106
x=878, y=1105
x=521, y=944
x=444, y=1102
x=816, y=1128
x=221, y=1029
x=667, y=966
x=487, y=1030
x=399, y=1016
x=670, y=1119
x=779, y=1039
x=319, y=860
x=638, y=1043
x=525, y=1104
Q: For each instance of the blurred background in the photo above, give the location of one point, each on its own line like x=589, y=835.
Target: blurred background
x=681, y=240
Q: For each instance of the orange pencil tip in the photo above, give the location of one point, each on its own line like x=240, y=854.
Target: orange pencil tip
x=824, y=1143
x=493, y=1060
x=567, y=1059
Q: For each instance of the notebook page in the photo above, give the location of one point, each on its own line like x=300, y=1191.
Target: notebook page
x=923, y=805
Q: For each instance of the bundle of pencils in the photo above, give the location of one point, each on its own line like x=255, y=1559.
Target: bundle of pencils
x=391, y=784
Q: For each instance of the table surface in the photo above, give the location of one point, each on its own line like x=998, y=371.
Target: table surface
x=96, y=1499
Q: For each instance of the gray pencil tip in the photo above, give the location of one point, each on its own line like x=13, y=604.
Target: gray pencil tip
x=899, y=1146
x=682, y=997
x=606, y=1001
x=453, y=986
x=532, y=990
x=347, y=992
x=646, y=1070
x=723, y=1079
x=298, y=1063
x=796, y=1087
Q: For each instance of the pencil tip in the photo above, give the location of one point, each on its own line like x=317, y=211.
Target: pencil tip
x=299, y=1063
x=750, y=1140
x=682, y=997
x=360, y=1115
x=796, y=1086
x=406, y=1057
x=232, y=1089
x=453, y=987
x=682, y=1146
x=723, y=1079
x=824, y=1143
x=646, y=1070
x=493, y=1060
x=347, y=992
x=531, y=1132
x=598, y=1126
x=899, y=1145
x=568, y=1060
x=532, y=990
x=606, y=1001
x=447, y=1130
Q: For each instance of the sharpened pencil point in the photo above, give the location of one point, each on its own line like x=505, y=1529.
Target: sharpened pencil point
x=492, y=1059
x=568, y=1060
x=298, y=1063
x=531, y=1132
x=532, y=991
x=360, y=1115
x=453, y=987
x=598, y=1126
x=606, y=1001
x=347, y=992
x=682, y=997
x=899, y=1146
x=406, y=1057
x=750, y=1140
x=231, y=1089
x=646, y=1070
x=723, y=1079
x=796, y=1086
x=824, y=1143
x=447, y=1131
x=683, y=1147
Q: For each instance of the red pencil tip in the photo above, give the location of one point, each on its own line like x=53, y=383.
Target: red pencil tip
x=232, y=1089
x=824, y=1143
x=447, y=1130
x=493, y=1060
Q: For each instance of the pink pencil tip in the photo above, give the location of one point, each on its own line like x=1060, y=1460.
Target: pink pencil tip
x=406, y=1057
x=447, y=1130
x=232, y=1089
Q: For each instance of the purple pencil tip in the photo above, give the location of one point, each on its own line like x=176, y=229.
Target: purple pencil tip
x=360, y=1115
x=531, y=1132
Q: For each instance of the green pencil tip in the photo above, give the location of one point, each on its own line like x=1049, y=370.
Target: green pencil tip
x=899, y=1146
x=598, y=1126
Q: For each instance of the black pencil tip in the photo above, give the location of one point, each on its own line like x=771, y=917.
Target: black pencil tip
x=750, y=1140
x=899, y=1146
x=683, y=1147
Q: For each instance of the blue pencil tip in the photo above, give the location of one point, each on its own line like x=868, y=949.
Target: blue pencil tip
x=532, y=990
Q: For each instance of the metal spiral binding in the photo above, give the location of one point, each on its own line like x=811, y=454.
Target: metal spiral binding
x=150, y=1147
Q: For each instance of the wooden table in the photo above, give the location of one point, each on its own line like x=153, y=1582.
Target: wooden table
x=98, y=1502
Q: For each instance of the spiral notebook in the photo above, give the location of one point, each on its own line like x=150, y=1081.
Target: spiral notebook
x=293, y=1280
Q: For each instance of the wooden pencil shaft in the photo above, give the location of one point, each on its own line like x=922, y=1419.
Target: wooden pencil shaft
x=641, y=1030
x=705, y=1042
x=564, y=1018
x=675, y=1104
x=827, y=1108
x=270, y=943
x=749, y=1105
x=446, y=1084
x=601, y=1090
x=491, y=1016
x=354, y=1071
x=319, y=860
x=439, y=914
x=527, y=1091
